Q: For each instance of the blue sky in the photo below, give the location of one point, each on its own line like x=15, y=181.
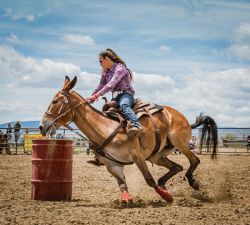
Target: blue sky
x=191, y=55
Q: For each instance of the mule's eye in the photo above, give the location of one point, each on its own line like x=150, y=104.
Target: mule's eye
x=54, y=101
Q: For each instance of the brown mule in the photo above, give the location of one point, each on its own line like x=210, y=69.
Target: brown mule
x=175, y=133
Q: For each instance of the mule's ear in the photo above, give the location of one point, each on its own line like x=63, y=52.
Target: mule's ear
x=66, y=82
x=70, y=84
x=67, y=78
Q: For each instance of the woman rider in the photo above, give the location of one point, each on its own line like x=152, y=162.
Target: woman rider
x=116, y=77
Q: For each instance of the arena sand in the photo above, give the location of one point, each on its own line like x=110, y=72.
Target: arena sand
x=224, y=197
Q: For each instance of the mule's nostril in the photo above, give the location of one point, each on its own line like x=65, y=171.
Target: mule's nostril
x=40, y=128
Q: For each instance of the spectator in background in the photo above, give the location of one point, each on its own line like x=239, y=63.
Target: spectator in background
x=193, y=144
x=88, y=149
x=195, y=141
x=59, y=136
x=17, y=128
x=9, y=131
x=248, y=142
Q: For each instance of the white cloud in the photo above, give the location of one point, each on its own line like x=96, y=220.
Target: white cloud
x=13, y=39
x=241, y=47
x=245, y=109
x=28, y=85
x=220, y=93
x=224, y=95
x=148, y=85
x=243, y=31
x=8, y=12
x=88, y=81
x=79, y=39
x=30, y=17
x=18, y=15
x=6, y=107
x=165, y=48
x=18, y=70
x=241, y=51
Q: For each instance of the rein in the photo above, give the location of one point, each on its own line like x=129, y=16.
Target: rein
x=66, y=112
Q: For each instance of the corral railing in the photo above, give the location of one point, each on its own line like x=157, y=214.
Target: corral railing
x=24, y=142
x=231, y=140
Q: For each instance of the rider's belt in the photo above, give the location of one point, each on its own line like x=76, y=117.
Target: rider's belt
x=116, y=93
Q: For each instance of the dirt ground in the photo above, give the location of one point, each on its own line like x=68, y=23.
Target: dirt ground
x=224, y=197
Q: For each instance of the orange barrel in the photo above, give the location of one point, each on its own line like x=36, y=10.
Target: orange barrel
x=52, y=169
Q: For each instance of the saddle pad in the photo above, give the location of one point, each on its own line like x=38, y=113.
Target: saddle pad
x=152, y=108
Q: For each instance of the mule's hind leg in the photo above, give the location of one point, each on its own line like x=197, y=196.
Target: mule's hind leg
x=174, y=168
x=194, y=162
x=117, y=170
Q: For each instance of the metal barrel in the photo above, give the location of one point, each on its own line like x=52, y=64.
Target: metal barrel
x=52, y=169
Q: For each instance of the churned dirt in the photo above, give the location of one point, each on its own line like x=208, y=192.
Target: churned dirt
x=224, y=197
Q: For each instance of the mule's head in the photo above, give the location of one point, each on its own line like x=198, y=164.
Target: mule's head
x=58, y=112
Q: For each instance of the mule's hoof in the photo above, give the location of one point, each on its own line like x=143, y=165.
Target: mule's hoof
x=195, y=185
x=164, y=194
x=126, y=198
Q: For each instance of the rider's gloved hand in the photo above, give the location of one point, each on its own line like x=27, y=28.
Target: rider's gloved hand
x=93, y=98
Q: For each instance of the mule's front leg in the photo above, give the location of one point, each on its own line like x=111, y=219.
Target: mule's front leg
x=117, y=170
x=140, y=161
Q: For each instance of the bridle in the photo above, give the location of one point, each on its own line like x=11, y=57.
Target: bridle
x=61, y=113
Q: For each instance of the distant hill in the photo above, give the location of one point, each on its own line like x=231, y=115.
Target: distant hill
x=24, y=124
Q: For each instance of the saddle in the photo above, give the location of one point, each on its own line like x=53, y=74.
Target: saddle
x=112, y=110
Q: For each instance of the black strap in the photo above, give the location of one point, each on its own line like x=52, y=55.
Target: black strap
x=110, y=137
x=99, y=149
x=108, y=156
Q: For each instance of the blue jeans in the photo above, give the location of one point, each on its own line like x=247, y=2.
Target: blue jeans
x=125, y=101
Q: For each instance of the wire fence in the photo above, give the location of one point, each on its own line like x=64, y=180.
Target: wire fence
x=230, y=140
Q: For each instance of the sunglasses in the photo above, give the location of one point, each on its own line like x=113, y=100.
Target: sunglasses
x=101, y=61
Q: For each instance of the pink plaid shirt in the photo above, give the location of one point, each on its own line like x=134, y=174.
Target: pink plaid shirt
x=116, y=79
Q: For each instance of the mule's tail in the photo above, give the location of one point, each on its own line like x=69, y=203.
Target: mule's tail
x=209, y=132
